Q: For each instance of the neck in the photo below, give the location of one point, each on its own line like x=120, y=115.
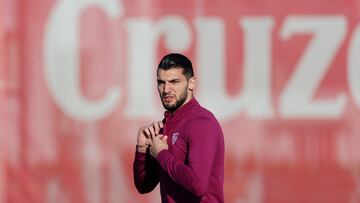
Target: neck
x=185, y=102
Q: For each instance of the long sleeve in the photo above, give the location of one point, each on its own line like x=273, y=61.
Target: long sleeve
x=146, y=172
x=204, y=136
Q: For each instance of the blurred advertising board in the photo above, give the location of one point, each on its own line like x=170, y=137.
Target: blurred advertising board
x=78, y=80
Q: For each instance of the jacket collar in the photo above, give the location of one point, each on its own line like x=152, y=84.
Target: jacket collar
x=180, y=112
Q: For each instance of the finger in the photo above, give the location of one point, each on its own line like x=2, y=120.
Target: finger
x=157, y=127
x=161, y=124
x=142, y=132
x=147, y=132
x=157, y=137
x=152, y=130
x=164, y=138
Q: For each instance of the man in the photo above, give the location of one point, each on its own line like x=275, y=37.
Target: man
x=184, y=151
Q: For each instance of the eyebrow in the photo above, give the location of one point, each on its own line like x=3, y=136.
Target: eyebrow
x=173, y=80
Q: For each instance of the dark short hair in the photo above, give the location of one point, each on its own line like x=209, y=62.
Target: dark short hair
x=176, y=60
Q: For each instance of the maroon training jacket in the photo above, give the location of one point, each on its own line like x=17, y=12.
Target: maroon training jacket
x=192, y=169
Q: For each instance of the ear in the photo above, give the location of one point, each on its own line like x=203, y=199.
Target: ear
x=192, y=83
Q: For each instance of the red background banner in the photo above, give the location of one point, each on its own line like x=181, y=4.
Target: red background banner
x=77, y=80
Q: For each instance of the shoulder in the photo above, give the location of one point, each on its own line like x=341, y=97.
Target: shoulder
x=201, y=114
x=203, y=121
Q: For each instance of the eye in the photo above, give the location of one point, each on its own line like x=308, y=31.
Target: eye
x=160, y=82
x=174, y=81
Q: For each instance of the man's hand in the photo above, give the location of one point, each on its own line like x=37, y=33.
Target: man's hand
x=145, y=133
x=158, y=143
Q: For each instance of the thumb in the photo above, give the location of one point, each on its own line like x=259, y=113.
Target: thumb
x=164, y=138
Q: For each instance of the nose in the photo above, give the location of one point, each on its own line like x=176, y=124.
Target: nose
x=167, y=87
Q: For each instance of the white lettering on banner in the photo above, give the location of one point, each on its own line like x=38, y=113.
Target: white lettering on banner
x=61, y=60
x=255, y=98
x=141, y=61
x=297, y=99
x=143, y=39
x=353, y=62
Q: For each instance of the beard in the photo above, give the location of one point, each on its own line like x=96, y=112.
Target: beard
x=179, y=102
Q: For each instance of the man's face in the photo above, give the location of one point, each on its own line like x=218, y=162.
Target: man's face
x=173, y=88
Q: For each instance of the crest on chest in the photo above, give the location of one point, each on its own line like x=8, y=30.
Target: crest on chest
x=174, y=137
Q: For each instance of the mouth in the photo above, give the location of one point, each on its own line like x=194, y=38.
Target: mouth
x=168, y=98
